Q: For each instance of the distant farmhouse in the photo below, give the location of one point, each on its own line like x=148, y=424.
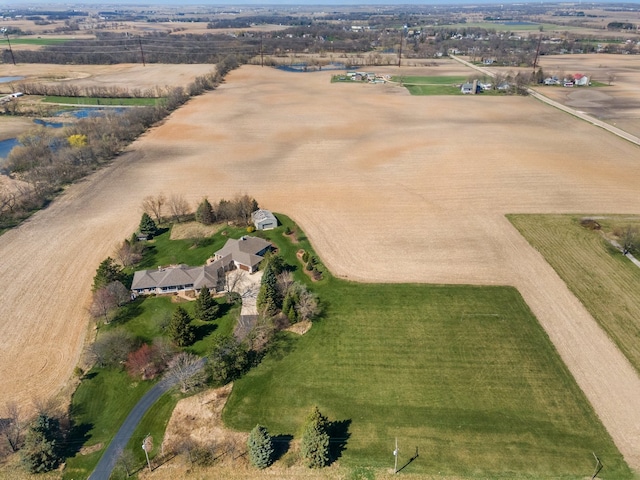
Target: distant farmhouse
x=245, y=253
x=264, y=220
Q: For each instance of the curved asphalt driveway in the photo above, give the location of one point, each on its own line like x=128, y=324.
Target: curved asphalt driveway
x=110, y=457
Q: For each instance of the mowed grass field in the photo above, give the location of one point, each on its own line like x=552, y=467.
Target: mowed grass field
x=432, y=85
x=101, y=101
x=463, y=374
x=606, y=282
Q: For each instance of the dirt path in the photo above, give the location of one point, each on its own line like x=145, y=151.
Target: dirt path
x=387, y=186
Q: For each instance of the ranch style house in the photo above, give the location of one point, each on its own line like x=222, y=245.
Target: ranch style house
x=246, y=253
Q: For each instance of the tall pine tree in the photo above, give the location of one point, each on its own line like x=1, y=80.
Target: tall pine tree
x=42, y=450
x=205, y=308
x=314, y=446
x=260, y=447
x=204, y=213
x=147, y=225
x=180, y=328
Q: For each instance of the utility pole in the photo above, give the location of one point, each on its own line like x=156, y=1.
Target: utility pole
x=395, y=454
x=141, y=51
x=10, y=49
x=146, y=446
x=261, y=52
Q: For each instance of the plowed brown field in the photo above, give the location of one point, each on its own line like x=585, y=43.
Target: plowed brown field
x=389, y=188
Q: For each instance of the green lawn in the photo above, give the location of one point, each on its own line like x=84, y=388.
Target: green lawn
x=603, y=280
x=101, y=101
x=445, y=80
x=465, y=374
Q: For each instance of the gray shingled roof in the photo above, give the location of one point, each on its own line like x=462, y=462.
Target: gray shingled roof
x=204, y=276
x=244, y=250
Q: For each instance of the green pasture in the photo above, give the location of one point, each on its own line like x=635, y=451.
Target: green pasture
x=125, y=102
x=463, y=374
x=606, y=282
x=39, y=41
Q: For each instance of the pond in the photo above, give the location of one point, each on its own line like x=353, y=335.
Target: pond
x=10, y=79
x=303, y=67
x=7, y=145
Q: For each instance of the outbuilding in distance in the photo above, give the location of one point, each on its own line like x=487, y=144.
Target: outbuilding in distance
x=264, y=220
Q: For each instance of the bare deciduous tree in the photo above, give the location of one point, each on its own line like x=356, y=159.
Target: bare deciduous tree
x=104, y=300
x=179, y=207
x=119, y=292
x=11, y=425
x=307, y=306
x=127, y=462
x=629, y=239
x=285, y=282
x=153, y=206
x=127, y=253
x=187, y=370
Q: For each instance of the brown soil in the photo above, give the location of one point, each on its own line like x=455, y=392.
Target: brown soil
x=389, y=187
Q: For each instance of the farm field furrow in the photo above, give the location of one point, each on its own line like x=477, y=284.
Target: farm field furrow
x=389, y=188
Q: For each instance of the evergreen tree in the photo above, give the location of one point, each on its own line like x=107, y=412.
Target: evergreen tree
x=180, y=328
x=314, y=446
x=42, y=450
x=147, y=225
x=268, y=300
x=260, y=447
x=205, y=308
x=108, y=271
x=204, y=213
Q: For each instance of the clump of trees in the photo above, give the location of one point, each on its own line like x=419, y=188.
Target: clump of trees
x=280, y=295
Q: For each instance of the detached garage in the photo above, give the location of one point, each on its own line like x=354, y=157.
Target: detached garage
x=264, y=220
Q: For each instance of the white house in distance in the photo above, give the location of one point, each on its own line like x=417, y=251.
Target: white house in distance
x=245, y=253
x=264, y=220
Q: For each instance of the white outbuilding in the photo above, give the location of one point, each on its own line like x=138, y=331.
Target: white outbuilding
x=264, y=220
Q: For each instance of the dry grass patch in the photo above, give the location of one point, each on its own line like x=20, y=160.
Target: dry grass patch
x=190, y=230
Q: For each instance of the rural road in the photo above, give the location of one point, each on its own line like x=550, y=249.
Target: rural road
x=110, y=457
x=576, y=113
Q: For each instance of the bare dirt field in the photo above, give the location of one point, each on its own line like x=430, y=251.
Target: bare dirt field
x=123, y=75
x=389, y=188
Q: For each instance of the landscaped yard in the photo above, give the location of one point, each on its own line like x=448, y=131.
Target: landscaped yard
x=603, y=280
x=465, y=375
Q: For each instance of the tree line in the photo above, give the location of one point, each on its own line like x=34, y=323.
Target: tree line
x=46, y=160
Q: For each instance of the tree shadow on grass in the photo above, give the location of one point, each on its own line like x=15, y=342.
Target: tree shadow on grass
x=77, y=436
x=128, y=311
x=338, y=436
x=281, y=445
x=202, y=331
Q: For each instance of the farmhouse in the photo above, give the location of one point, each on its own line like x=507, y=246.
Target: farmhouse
x=245, y=253
x=472, y=88
x=264, y=220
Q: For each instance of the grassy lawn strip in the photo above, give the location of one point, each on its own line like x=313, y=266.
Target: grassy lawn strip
x=602, y=279
x=466, y=374
x=39, y=41
x=432, y=80
x=154, y=423
x=101, y=101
